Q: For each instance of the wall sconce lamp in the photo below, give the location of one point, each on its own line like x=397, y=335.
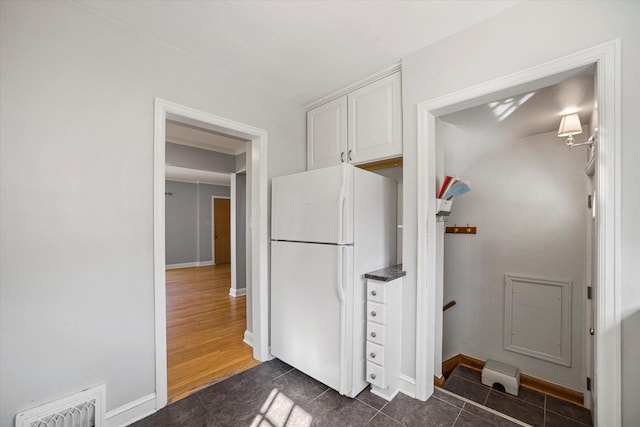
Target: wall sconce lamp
x=569, y=126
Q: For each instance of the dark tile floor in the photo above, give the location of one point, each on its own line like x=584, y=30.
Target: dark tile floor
x=275, y=395
x=531, y=407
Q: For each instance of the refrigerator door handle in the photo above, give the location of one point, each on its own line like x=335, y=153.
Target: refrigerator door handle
x=343, y=333
x=341, y=203
x=339, y=282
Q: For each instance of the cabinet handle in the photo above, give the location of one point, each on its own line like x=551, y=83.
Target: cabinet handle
x=373, y=314
x=373, y=334
x=342, y=157
x=350, y=158
x=373, y=376
x=373, y=355
x=374, y=293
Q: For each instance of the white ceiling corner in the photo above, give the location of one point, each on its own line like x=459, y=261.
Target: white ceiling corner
x=300, y=50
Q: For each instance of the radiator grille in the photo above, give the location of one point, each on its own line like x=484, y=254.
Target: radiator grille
x=84, y=409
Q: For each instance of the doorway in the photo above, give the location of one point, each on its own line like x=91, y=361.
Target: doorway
x=257, y=290
x=221, y=230
x=606, y=390
x=518, y=276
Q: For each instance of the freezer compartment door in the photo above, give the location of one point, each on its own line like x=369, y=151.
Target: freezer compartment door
x=314, y=206
x=309, y=292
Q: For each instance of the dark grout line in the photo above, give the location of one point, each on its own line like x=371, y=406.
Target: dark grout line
x=319, y=395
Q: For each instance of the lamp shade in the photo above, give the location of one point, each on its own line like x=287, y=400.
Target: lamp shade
x=570, y=125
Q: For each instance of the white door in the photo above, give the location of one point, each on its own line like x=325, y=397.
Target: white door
x=375, y=121
x=327, y=134
x=308, y=317
x=313, y=206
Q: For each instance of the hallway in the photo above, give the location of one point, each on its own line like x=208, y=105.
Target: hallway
x=205, y=329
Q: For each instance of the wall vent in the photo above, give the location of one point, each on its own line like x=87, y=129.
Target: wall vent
x=84, y=409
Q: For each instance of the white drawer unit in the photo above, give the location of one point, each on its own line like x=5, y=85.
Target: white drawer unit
x=375, y=353
x=375, y=312
x=375, y=333
x=384, y=329
x=376, y=375
x=375, y=291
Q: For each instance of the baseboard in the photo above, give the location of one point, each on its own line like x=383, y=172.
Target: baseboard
x=131, y=412
x=438, y=381
x=188, y=264
x=449, y=365
x=237, y=292
x=248, y=338
x=527, y=381
x=407, y=385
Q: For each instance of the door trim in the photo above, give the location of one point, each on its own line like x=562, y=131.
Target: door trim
x=606, y=56
x=257, y=180
x=232, y=224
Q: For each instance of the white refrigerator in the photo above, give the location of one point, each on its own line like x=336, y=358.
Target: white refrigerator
x=328, y=228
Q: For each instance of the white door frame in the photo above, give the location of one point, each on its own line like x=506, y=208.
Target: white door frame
x=607, y=381
x=231, y=229
x=257, y=225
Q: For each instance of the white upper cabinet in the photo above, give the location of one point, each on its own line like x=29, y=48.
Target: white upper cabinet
x=327, y=134
x=375, y=121
x=360, y=127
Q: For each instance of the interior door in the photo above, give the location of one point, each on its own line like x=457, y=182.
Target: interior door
x=222, y=231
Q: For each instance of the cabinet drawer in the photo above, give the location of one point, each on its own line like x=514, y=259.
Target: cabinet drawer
x=376, y=375
x=375, y=291
x=375, y=353
x=375, y=312
x=375, y=333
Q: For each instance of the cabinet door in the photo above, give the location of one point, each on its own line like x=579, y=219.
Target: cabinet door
x=375, y=121
x=327, y=134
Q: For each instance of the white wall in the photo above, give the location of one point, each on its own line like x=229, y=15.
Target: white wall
x=76, y=216
x=523, y=36
x=528, y=201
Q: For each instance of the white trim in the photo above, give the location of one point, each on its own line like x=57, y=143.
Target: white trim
x=607, y=381
x=248, y=338
x=188, y=264
x=213, y=221
x=407, y=385
x=131, y=412
x=238, y=292
x=357, y=85
x=258, y=204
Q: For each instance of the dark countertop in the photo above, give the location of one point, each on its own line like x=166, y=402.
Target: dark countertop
x=387, y=274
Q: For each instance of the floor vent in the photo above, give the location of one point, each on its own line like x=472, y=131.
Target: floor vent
x=84, y=409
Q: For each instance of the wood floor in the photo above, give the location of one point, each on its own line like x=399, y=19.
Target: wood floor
x=205, y=329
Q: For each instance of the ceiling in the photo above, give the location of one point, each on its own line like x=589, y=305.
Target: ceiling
x=300, y=50
x=534, y=111
x=183, y=134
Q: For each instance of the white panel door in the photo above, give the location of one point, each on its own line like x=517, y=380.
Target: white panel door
x=313, y=206
x=308, y=317
x=327, y=134
x=375, y=121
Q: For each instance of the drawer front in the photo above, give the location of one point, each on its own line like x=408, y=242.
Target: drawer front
x=375, y=353
x=375, y=312
x=376, y=375
x=376, y=291
x=375, y=333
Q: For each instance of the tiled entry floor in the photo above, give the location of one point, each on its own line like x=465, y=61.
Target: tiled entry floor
x=532, y=407
x=275, y=395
